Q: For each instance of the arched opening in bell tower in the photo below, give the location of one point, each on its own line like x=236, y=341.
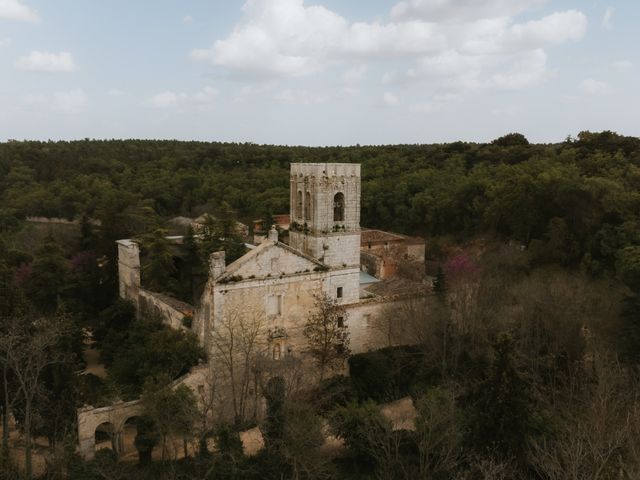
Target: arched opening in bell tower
x=298, y=212
x=307, y=207
x=338, y=207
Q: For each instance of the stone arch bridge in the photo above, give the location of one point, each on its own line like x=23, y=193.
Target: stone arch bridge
x=111, y=419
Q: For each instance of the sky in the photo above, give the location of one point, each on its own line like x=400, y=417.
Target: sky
x=318, y=72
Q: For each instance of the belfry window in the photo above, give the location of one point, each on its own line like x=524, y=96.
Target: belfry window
x=299, y=205
x=307, y=207
x=338, y=207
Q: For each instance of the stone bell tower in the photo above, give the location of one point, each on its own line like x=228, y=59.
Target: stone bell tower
x=325, y=212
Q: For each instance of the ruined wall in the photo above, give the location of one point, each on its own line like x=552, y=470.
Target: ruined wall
x=171, y=311
x=129, y=270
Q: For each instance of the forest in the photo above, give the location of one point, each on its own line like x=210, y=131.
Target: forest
x=523, y=364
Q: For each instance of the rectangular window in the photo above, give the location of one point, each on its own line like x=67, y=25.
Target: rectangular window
x=341, y=322
x=339, y=292
x=274, y=305
x=366, y=320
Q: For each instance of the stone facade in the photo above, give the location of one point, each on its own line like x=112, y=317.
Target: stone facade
x=280, y=282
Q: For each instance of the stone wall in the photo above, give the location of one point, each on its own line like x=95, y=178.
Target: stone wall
x=129, y=270
x=333, y=249
x=171, y=311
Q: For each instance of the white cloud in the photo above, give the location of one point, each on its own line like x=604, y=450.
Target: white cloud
x=206, y=96
x=607, y=18
x=285, y=38
x=355, y=74
x=553, y=29
x=300, y=97
x=530, y=69
x=49, y=62
x=4, y=42
x=73, y=101
x=15, y=10
x=390, y=100
x=169, y=99
x=35, y=99
x=622, y=65
x=476, y=44
x=442, y=10
x=187, y=19
x=593, y=87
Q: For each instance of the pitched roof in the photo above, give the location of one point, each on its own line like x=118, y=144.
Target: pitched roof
x=252, y=256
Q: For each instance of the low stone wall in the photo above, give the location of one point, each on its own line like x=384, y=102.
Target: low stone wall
x=172, y=312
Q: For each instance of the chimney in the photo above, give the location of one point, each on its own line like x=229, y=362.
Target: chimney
x=273, y=234
x=216, y=265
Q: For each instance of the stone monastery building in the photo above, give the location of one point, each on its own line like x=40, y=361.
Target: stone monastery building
x=277, y=283
x=275, y=286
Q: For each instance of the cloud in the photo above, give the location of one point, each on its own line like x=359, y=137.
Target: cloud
x=15, y=10
x=622, y=65
x=607, y=18
x=483, y=47
x=593, y=87
x=528, y=70
x=73, y=101
x=4, y=42
x=355, y=74
x=187, y=19
x=286, y=38
x=300, y=97
x=169, y=99
x=115, y=92
x=443, y=10
x=390, y=100
x=49, y=62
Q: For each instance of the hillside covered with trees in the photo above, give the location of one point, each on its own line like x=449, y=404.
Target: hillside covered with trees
x=523, y=363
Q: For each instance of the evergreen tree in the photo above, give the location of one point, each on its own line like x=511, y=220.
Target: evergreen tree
x=158, y=270
x=49, y=277
x=501, y=409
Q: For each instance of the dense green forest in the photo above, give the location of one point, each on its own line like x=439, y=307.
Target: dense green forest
x=524, y=363
x=582, y=192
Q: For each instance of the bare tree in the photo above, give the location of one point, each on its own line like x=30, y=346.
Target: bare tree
x=28, y=347
x=597, y=431
x=327, y=335
x=237, y=343
x=439, y=432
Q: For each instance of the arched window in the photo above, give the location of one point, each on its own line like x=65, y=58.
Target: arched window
x=298, y=212
x=307, y=207
x=338, y=207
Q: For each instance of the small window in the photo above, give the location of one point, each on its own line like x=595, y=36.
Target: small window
x=340, y=349
x=366, y=319
x=307, y=207
x=338, y=207
x=298, y=214
x=274, y=305
x=341, y=322
x=339, y=292
x=276, y=352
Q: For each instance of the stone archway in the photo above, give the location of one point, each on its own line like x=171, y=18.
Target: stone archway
x=105, y=437
x=92, y=419
x=128, y=432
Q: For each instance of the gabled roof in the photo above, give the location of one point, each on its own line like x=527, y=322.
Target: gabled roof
x=258, y=263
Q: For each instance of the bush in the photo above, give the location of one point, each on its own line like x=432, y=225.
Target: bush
x=335, y=391
x=387, y=374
